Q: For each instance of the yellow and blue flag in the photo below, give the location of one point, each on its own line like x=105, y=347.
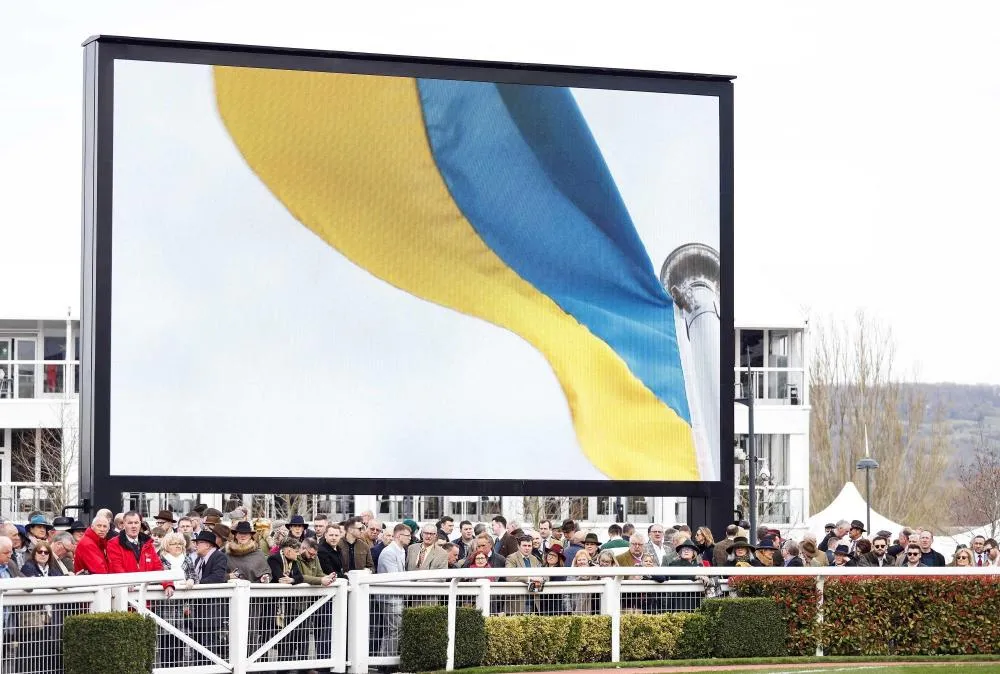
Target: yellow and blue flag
x=493, y=200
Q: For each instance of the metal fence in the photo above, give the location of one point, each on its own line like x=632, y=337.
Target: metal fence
x=354, y=623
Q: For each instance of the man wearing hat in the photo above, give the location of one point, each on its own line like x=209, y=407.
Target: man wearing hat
x=78, y=529
x=245, y=559
x=61, y=524
x=855, y=533
x=210, y=567
x=842, y=556
x=165, y=520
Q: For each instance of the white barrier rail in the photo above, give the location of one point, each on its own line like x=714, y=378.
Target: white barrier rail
x=354, y=623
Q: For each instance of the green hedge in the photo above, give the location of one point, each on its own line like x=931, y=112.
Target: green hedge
x=912, y=615
x=547, y=640
x=797, y=602
x=423, y=643
x=696, y=640
x=87, y=637
x=745, y=628
x=721, y=628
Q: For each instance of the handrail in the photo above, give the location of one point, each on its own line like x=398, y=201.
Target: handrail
x=90, y=581
x=368, y=578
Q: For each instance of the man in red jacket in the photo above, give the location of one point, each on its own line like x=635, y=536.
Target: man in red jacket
x=132, y=551
x=90, y=557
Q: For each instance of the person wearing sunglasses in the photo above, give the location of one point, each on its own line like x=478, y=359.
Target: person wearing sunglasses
x=878, y=555
x=912, y=556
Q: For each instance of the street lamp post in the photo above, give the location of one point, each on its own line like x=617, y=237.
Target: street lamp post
x=747, y=400
x=868, y=464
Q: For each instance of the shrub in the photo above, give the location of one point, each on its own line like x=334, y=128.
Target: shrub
x=546, y=640
x=746, y=628
x=423, y=641
x=86, y=638
x=650, y=637
x=797, y=603
x=695, y=641
x=902, y=615
x=911, y=615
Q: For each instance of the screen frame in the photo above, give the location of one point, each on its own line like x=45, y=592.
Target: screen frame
x=98, y=486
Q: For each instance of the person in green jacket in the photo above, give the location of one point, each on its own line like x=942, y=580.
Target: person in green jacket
x=321, y=621
x=615, y=539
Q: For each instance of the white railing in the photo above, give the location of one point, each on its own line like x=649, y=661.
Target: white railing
x=354, y=623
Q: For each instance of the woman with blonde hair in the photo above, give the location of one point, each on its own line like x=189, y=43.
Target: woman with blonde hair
x=580, y=603
x=962, y=557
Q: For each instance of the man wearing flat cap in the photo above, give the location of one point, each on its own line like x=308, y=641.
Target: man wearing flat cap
x=854, y=535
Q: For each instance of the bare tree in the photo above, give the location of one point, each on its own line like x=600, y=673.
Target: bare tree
x=554, y=508
x=49, y=457
x=976, y=501
x=854, y=386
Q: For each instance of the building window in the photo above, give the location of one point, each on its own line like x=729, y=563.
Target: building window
x=54, y=379
x=36, y=455
x=604, y=506
x=754, y=341
x=76, y=368
x=579, y=508
x=431, y=507
x=637, y=506
x=25, y=350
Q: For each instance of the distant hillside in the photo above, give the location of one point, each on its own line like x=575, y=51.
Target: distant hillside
x=965, y=407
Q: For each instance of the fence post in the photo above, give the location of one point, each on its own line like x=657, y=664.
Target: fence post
x=452, y=610
x=339, y=651
x=102, y=601
x=239, y=625
x=820, y=582
x=358, y=618
x=483, y=600
x=119, y=599
x=3, y=621
x=611, y=604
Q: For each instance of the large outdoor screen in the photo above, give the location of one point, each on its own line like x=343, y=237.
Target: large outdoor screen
x=323, y=273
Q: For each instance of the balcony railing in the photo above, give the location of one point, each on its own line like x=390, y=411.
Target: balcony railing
x=27, y=379
x=770, y=386
x=777, y=505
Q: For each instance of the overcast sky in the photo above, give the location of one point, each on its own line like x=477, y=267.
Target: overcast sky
x=866, y=141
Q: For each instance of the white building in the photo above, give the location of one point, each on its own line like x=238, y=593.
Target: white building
x=39, y=413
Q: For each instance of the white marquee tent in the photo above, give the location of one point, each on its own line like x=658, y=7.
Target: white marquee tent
x=851, y=505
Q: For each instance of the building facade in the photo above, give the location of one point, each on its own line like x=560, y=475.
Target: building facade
x=39, y=420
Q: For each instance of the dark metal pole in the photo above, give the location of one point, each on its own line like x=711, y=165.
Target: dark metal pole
x=751, y=454
x=868, y=499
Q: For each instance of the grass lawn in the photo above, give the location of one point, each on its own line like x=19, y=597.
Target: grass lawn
x=978, y=668
x=978, y=664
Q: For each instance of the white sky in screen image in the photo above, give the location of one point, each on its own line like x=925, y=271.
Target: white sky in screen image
x=237, y=330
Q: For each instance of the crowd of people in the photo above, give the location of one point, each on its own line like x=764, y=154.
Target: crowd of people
x=209, y=546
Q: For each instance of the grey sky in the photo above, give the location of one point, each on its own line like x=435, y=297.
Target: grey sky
x=234, y=326
x=866, y=142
